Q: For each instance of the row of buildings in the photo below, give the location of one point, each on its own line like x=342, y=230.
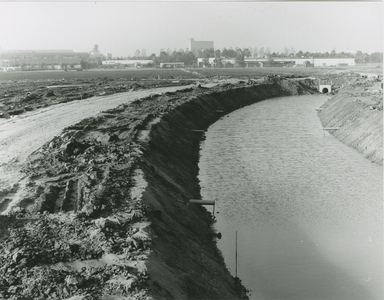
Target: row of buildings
x=70, y=60
x=278, y=62
x=68, y=64
x=196, y=46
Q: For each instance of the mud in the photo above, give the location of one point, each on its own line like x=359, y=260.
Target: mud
x=104, y=213
x=357, y=113
x=19, y=96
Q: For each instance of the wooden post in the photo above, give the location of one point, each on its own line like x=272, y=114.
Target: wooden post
x=236, y=254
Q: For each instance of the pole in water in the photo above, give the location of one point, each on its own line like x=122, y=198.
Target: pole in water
x=236, y=254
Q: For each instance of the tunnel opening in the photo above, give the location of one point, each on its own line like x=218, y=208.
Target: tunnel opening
x=324, y=91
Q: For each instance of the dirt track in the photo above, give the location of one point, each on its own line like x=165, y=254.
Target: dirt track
x=23, y=134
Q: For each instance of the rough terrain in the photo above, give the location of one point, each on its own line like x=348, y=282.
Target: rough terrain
x=356, y=113
x=102, y=210
x=21, y=135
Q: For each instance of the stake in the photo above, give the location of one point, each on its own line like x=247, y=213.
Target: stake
x=236, y=253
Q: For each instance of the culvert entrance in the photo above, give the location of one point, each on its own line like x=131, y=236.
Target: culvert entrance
x=324, y=91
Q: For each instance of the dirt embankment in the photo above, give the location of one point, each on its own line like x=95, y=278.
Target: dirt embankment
x=356, y=114
x=105, y=214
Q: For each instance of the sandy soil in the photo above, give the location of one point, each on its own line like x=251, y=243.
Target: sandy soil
x=21, y=135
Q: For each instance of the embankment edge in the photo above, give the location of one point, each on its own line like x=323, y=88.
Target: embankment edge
x=186, y=263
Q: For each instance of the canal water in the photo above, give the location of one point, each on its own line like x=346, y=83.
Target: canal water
x=308, y=210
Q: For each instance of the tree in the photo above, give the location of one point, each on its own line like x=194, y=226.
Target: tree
x=286, y=52
x=207, y=53
x=375, y=57
x=164, y=57
x=359, y=57
x=153, y=58
x=137, y=53
x=299, y=54
x=239, y=58
x=231, y=53
x=206, y=62
x=189, y=58
x=224, y=53
x=333, y=52
x=143, y=53
x=255, y=52
x=261, y=52
x=247, y=52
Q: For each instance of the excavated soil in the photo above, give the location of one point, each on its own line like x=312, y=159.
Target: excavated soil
x=356, y=113
x=104, y=213
x=19, y=96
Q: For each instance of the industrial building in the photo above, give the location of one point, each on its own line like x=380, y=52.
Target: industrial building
x=303, y=62
x=195, y=46
x=128, y=63
x=172, y=65
x=32, y=63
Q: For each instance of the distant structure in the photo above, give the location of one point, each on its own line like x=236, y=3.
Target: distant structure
x=195, y=46
x=300, y=62
x=128, y=63
x=41, y=54
x=94, y=53
x=172, y=65
x=12, y=60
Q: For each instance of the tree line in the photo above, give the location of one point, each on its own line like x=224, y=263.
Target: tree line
x=189, y=58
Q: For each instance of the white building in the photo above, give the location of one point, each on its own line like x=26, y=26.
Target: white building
x=130, y=63
x=316, y=62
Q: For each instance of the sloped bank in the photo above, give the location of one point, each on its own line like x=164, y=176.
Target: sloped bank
x=106, y=211
x=357, y=116
x=185, y=263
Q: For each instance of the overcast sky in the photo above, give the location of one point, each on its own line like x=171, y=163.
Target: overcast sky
x=122, y=27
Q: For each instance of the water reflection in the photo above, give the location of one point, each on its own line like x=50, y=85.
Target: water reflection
x=308, y=209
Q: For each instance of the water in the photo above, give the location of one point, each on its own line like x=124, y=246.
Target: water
x=308, y=210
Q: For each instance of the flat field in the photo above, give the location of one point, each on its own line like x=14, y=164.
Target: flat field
x=154, y=73
x=135, y=74
x=28, y=90
x=299, y=71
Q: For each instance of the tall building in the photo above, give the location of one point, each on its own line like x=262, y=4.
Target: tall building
x=95, y=51
x=194, y=46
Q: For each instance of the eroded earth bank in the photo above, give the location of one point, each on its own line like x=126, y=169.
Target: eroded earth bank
x=104, y=213
x=356, y=113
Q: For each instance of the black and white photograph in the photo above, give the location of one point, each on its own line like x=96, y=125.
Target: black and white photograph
x=191, y=150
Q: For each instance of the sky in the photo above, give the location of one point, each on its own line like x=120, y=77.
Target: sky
x=121, y=28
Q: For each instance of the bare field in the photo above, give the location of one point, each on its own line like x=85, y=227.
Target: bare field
x=154, y=73
x=97, y=73
x=299, y=71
